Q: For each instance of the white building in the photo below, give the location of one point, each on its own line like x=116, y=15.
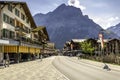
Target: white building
x=16, y=36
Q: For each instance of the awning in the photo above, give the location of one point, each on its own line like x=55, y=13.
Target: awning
x=37, y=50
x=32, y=50
x=10, y=49
x=1, y=49
x=18, y=49
x=23, y=49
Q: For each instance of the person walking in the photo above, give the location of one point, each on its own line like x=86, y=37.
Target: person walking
x=78, y=55
x=41, y=57
x=6, y=60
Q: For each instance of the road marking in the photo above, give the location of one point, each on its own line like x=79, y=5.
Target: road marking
x=61, y=73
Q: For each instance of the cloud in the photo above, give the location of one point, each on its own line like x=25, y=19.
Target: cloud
x=13, y=0
x=113, y=18
x=76, y=3
x=106, y=22
x=100, y=5
x=55, y=4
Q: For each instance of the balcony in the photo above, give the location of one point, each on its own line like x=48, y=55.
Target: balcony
x=9, y=42
x=28, y=41
x=22, y=29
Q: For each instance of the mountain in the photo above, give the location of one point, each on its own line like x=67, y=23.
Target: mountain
x=66, y=23
x=115, y=29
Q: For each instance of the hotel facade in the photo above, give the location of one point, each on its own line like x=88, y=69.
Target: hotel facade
x=20, y=38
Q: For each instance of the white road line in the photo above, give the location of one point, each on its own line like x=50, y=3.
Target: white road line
x=61, y=73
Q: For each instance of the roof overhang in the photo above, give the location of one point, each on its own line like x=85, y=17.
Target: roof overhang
x=26, y=9
x=43, y=28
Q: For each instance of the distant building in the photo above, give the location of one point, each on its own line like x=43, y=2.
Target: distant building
x=73, y=44
x=110, y=45
x=50, y=48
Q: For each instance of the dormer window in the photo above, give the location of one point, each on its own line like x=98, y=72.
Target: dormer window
x=27, y=20
x=10, y=8
x=22, y=16
x=17, y=12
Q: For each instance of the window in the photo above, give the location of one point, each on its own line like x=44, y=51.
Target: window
x=17, y=12
x=5, y=18
x=27, y=20
x=5, y=33
x=8, y=34
x=8, y=20
x=22, y=16
x=10, y=7
x=12, y=22
x=12, y=35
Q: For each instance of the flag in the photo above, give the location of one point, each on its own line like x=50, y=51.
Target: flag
x=101, y=40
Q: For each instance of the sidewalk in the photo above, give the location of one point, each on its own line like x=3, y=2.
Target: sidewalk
x=32, y=70
x=99, y=64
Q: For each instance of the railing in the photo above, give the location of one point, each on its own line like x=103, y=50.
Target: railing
x=25, y=29
x=28, y=42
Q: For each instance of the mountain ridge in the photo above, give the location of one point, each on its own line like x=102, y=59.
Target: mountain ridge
x=115, y=29
x=67, y=22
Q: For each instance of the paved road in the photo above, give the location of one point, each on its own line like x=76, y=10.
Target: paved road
x=85, y=70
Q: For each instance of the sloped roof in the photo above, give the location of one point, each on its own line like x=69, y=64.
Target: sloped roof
x=104, y=40
x=37, y=29
x=43, y=28
x=26, y=9
x=78, y=40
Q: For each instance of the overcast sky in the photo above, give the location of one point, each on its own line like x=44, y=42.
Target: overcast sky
x=104, y=12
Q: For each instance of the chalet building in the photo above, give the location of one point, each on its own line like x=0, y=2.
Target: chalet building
x=77, y=46
x=110, y=45
x=67, y=46
x=20, y=38
x=99, y=49
x=48, y=48
x=73, y=44
x=72, y=47
x=113, y=46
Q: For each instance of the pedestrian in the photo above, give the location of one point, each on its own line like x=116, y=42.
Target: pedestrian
x=6, y=60
x=78, y=55
x=3, y=63
x=41, y=57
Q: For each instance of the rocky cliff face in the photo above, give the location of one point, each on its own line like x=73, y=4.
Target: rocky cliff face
x=66, y=23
